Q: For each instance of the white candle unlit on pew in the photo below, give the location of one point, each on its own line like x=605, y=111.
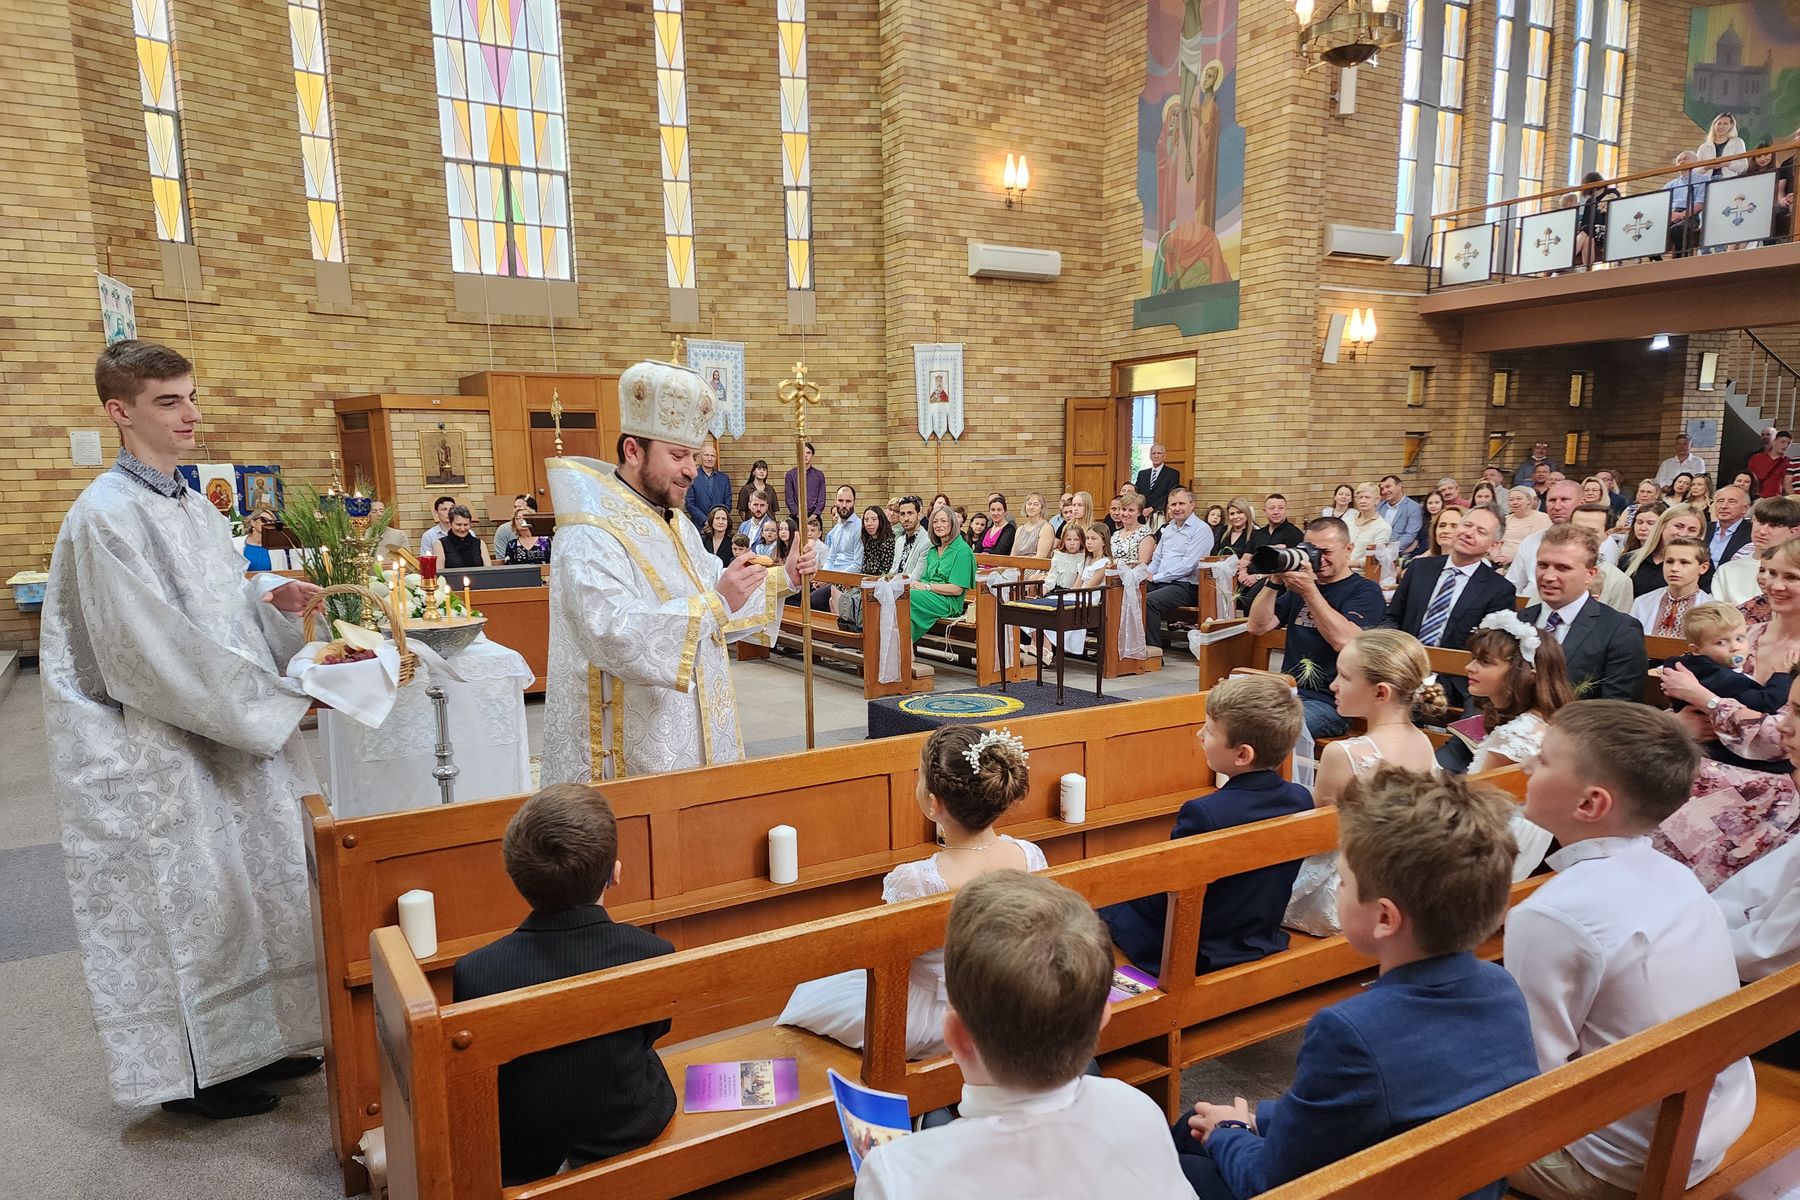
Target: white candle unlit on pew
x=784, y=855
x=418, y=921
x=1074, y=798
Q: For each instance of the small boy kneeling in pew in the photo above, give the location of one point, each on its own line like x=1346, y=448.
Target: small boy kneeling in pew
x=1027, y=969
x=572, y=1105
x=1251, y=724
x=1425, y=870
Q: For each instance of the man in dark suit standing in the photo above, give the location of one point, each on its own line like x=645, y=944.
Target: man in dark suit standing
x=1155, y=482
x=1442, y=599
x=1603, y=646
x=1729, y=533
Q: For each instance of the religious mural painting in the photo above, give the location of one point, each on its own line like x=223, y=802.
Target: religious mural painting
x=1744, y=59
x=1190, y=168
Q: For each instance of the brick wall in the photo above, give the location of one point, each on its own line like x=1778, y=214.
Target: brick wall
x=915, y=104
x=413, y=495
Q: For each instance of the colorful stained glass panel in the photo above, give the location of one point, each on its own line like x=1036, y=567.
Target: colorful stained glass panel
x=318, y=148
x=155, y=43
x=796, y=139
x=672, y=127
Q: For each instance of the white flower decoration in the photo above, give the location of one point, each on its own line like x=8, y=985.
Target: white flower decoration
x=993, y=737
x=1528, y=636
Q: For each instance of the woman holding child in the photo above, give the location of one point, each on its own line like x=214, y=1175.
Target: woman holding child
x=1384, y=677
x=968, y=778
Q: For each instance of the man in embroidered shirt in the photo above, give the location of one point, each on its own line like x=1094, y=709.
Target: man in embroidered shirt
x=1180, y=545
x=1622, y=939
x=178, y=768
x=843, y=545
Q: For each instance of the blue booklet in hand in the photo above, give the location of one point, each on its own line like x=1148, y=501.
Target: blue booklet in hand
x=870, y=1118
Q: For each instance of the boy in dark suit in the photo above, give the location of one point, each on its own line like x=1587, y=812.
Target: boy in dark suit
x=579, y=1103
x=1426, y=865
x=1251, y=724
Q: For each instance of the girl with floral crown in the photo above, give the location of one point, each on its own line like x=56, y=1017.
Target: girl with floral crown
x=968, y=778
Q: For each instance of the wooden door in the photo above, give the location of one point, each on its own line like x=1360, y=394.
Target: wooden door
x=1175, y=430
x=1089, y=452
x=580, y=438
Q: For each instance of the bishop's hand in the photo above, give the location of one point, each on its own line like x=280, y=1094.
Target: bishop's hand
x=291, y=596
x=802, y=564
x=740, y=580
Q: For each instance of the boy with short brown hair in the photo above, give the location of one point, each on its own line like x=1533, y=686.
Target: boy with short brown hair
x=1251, y=724
x=1027, y=969
x=1425, y=868
x=1623, y=938
x=575, y=1104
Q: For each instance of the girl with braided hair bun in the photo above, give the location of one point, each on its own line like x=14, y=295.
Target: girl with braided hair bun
x=968, y=778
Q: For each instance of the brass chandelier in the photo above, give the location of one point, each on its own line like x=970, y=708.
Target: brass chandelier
x=1349, y=33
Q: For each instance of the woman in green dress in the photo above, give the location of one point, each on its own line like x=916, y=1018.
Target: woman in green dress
x=949, y=573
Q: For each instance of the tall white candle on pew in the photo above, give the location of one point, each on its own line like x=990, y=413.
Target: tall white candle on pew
x=1074, y=798
x=784, y=855
x=418, y=921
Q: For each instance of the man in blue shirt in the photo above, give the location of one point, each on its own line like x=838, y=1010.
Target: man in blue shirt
x=711, y=488
x=843, y=546
x=1323, y=611
x=1402, y=513
x=1180, y=545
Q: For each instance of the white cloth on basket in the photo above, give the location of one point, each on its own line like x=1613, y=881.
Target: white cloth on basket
x=363, y=691
x=835, y=1005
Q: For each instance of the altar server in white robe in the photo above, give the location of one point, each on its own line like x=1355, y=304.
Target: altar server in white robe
x=178, y=770
x=640, y=612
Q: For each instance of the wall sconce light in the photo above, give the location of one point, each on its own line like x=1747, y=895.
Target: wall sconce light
x=1018, y=179
x=1497, y=442
x=1359, y=331
x=1415, y=443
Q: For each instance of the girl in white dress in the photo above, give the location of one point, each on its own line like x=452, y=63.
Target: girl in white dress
x=1384, y=677
x=1070, y=572
x=1518, y=679
x=968, y=777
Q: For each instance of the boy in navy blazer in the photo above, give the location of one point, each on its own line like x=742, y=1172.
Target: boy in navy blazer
x=1251, y=724
x=1425, y=868
x=589, y=1100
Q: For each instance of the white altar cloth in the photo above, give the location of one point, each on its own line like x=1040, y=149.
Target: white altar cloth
x=388, y=768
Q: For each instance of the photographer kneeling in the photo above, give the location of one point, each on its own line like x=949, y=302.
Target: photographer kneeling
x=1323, y=605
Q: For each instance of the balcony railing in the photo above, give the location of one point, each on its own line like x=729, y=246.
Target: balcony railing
x=1669, y=212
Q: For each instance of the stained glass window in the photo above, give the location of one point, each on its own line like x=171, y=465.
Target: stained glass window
x=506, y=153
x=672, y=125
x=1431, y=120
x=162, y=118
x=796, y=139
x=1521, y=110
x=1597, y=96
x=318, y=146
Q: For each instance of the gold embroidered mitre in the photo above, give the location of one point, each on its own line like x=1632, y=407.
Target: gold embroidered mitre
x=666, y=403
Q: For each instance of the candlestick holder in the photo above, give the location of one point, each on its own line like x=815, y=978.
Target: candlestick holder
x=359, y=509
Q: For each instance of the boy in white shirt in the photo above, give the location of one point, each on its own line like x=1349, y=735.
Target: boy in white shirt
x=1623, y=938
x=1663, y=612
x=1027, y=968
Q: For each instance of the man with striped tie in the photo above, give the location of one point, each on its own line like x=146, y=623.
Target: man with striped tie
x=1442, y=599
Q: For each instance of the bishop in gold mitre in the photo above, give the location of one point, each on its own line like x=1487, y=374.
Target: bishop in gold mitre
x=640, y=611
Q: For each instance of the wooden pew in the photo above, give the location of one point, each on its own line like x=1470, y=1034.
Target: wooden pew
x=852, y=648
x=1671, y=1066
x=693, y=845
x=440, y=1062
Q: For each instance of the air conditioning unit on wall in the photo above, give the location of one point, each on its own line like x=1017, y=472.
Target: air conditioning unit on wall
x=1013, y=262
x=1367, y=245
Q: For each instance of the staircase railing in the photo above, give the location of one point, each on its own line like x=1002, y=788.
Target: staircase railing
x=1770, y=384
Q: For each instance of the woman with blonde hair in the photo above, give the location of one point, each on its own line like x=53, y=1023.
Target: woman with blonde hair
x=1523, y=519
x=1368, y=528
x=1240, y=524
x=1721, y=141
x=1700, y=496
x=1033, y=537
x=1645, y=567
x=1132, y=542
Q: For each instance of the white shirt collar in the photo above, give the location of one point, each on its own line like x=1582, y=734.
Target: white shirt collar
x=1594, y=847
x=992, y=1100
x=1569, y=611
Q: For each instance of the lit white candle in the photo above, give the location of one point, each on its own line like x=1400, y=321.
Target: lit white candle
x=784, y=855
x=1074, y=798
x=418, y=921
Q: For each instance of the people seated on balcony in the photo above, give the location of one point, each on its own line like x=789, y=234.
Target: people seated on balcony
x=1722, y=141
x=1540, y=457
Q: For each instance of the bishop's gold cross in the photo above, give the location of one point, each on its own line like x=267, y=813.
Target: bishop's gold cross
x=799, y=392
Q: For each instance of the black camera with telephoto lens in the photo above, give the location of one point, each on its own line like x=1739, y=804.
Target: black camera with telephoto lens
x=1274, y=560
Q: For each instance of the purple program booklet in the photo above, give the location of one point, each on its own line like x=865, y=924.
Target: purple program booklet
x=730, y=1086
x=1128, y=982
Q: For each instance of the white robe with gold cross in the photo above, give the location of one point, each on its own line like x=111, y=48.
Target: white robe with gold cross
x=640, y=677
